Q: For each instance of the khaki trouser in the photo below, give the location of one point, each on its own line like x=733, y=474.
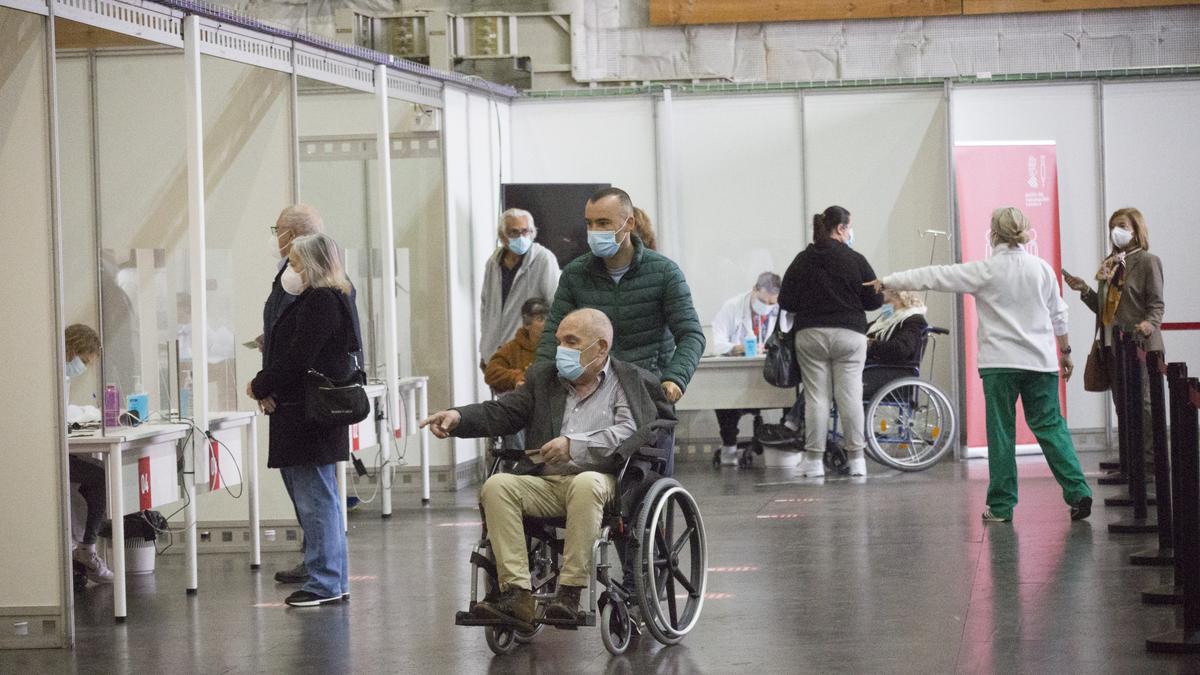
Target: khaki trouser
x=506, y=498
x=831, y=366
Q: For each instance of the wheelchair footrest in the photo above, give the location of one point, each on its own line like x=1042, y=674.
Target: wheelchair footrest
x=467, y=619
x=586, y=619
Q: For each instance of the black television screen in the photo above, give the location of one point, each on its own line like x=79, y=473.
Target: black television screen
x=557, y=210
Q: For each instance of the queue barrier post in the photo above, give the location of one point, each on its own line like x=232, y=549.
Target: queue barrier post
x=1164, y=555
x=1129, y=398
x=1185, y=420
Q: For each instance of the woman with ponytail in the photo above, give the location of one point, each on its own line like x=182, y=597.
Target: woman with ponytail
x=823, y=288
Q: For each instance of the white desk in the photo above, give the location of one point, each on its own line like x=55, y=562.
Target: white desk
x=134, y=451
x=727, y=382
x=414, y=406
x=247, y=421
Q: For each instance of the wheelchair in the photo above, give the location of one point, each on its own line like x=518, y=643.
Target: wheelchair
x=910, y=422
x=653, y=520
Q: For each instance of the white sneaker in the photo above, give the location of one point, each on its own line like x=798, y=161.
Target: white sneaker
x=811, y=467
x=96, y=568
x=729, y=455
x=858, y=467
x=856, y=462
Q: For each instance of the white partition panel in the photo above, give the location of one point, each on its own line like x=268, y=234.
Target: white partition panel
x=1065, y=114
x=883, y=156
x=587, y=141
x=1151, y=146
x=31, y=518
x=738, y=170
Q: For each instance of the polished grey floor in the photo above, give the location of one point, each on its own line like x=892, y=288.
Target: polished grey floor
x=892, y=574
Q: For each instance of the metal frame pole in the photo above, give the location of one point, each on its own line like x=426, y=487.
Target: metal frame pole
x=387, y=238
x=194, y=133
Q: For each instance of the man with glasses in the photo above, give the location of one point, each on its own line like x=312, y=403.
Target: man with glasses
x=520, y=269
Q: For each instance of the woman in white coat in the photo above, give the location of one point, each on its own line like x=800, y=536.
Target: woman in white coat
x=751, y=314
x=520, y=269
x=1021, y=317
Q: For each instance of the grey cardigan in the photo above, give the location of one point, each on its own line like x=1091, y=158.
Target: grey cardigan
x=537, y=407
x=1141, y=298
x=499, y=320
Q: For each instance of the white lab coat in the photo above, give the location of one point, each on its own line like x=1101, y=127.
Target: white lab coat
x=1017, y=298
x=734, y=323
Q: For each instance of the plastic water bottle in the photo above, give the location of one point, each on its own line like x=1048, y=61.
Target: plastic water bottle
x=112, y=406
x=751, y=345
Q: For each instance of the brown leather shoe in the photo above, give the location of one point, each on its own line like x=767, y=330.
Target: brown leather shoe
x=515, y=606
x=566, y=606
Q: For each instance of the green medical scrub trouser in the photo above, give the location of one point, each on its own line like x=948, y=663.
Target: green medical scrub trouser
x=1039, y=399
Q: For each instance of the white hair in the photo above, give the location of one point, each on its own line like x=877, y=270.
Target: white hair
x=516, y=213
x=322, y=262
x=301, y=219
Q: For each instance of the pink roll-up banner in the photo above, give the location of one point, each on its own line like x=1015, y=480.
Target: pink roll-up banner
x=988, y=176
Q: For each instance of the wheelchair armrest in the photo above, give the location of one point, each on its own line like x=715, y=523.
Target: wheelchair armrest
x=934, y=330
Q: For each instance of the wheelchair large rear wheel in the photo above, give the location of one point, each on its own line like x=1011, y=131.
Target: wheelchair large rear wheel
x=672, y=561
x=910, y=425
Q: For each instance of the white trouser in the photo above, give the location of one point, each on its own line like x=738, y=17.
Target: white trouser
x=831, y=365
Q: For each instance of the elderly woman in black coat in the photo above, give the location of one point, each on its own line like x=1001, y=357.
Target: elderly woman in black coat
x=314, y=332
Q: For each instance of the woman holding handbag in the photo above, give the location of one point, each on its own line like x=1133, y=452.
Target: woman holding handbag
x=314, y=333
x=1129, y=297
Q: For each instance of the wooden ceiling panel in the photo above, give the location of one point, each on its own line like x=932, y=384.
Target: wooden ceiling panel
x=693, y=12
x=74, y=35
x=690, y=12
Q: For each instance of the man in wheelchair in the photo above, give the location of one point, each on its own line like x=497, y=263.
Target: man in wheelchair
x=581, y=416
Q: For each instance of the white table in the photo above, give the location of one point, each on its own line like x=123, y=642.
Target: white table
x=137, y=447
x=414, y=400
x=730, y=382
x=247, y=421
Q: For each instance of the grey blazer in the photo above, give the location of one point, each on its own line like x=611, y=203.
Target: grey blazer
x=537, y=407
x=1141, y=298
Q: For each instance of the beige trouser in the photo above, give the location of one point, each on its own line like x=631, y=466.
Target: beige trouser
x=831, y=366
x=506, y=498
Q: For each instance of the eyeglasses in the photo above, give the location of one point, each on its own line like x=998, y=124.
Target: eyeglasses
x=513, y=234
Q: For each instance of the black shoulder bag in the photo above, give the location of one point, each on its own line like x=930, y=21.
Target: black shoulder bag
x=331, y=403
x=780, y=369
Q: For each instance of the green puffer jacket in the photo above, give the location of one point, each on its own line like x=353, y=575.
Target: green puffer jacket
x=655, y=325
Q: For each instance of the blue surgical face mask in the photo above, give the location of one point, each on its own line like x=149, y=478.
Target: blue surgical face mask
x=75, y=367
x=887, y=310
x=603, y=244
x=520, y=245
x=567, y=361
x=850, y=238
x=761, y=308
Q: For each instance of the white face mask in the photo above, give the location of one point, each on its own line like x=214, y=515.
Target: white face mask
x=292, y=282
x=763, y=309
x=74, y=368
x=1121, y=237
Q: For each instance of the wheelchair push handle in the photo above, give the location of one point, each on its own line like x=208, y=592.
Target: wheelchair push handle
x=934, y=330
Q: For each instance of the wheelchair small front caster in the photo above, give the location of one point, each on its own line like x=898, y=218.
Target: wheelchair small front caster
x=716, y=462
x=616, y=627
x=501, y=639
x=746, y=459
x=836, y=460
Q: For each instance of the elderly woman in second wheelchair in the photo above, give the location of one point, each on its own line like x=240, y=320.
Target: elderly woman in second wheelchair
x=581, y=415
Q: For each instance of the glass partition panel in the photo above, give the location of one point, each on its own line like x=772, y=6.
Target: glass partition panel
x=248, y=180
x=419, y=219
x=140, y=211
x=338, y=176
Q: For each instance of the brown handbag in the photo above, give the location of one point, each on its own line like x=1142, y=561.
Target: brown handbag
x=1096, y=376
